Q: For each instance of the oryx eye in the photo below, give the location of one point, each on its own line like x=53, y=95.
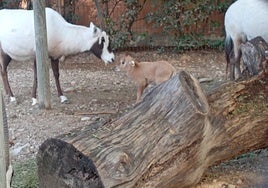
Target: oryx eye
x=122, y=62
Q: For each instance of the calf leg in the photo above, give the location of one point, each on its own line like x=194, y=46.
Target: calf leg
x=5, y=60
x=55, y=68
x=140, y=90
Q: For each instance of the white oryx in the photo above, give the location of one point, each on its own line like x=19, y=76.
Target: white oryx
x=244, y=20
x=17, y=42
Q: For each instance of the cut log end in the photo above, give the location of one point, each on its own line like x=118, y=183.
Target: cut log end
x=194, y=91
x=254, y=55
x=73, y=168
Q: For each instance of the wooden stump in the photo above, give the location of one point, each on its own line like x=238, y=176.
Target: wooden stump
x=255, y=56
x=167, y=140
x=70, y=168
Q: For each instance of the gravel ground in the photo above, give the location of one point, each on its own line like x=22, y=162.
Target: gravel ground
x=95, y=91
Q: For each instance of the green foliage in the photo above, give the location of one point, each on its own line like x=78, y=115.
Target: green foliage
x=185, y=20
x=179, y=17
x=120, y=29
x=9, y=3
x=25, y=174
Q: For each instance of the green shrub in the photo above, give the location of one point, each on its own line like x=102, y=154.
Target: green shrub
x=185, y=20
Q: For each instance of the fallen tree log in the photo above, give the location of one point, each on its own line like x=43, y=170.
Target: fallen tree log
x=167, y=140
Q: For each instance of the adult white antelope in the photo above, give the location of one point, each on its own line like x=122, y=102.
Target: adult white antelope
x=17, y=42
x=244, y=20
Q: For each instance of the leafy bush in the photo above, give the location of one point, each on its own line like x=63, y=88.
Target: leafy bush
x=185, y=20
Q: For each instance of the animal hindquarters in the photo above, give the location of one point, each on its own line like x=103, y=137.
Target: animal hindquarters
x=164, y=72
x=234, y=59
x=233, y=53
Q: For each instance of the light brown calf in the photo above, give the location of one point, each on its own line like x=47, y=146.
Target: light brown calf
x=144, y=73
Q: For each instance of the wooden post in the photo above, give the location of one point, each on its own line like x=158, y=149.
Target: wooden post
x=42, y=60
x=2, y=149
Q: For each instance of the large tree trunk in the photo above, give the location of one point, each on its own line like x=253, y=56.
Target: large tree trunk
x=167, y=140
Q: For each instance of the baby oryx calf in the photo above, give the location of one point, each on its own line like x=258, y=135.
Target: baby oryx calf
x=144, y=73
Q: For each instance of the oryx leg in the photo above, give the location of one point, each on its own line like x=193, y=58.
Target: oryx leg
x=236, y=61
x=237, y=57
x=55, y=68
x=34, y=98
x=4, y=61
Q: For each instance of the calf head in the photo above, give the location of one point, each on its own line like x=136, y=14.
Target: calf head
x=126, y=63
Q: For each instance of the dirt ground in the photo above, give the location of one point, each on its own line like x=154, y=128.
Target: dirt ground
x=95, y=91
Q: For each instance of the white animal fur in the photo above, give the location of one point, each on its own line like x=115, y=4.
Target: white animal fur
x=144, y=73
x=17, y=38
x=244, y=20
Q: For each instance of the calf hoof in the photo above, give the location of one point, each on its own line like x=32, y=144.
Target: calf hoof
x=34, y=101
x=64, y=99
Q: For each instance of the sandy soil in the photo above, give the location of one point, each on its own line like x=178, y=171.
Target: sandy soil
x=93, y=88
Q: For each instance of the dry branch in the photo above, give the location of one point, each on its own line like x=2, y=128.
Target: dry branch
x=94, y=113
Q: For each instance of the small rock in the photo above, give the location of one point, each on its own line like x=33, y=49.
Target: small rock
x=17, y=149
x=239, y=181
x=69, y=89
x=85, y=118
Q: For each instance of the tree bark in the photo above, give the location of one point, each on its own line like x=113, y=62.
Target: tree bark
x=4, y=147
x=5, y=164
x=42, y=59
x=167, y=140
x=100, y=14
x=255, y=56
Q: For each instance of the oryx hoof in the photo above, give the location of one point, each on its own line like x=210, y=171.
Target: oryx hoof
x=13, y=100
x=34, y=101
x=64, y=99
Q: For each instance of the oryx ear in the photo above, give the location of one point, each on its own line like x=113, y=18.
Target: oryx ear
x=91, y=24
x=132, y=63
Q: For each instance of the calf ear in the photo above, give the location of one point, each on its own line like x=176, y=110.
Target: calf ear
x=132, y=63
